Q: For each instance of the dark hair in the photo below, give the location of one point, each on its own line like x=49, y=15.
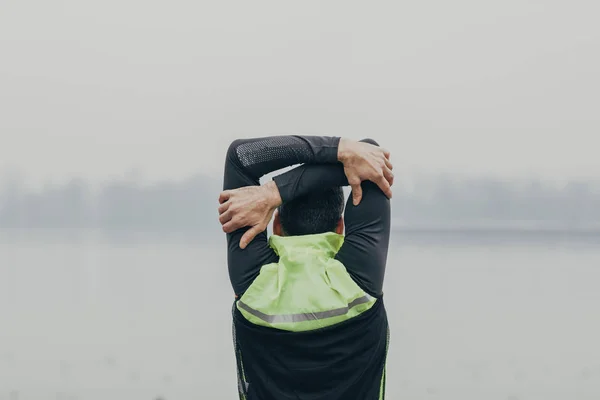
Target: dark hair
x=317, y=212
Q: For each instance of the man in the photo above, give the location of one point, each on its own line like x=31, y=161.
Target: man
x=309, y=320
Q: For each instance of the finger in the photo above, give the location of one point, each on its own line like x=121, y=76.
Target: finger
x=356, y=194
x=225, y=217
x=230, y=227
x=384, y=186
x=386, y=153
x=249, y=236
x=224, y=207
x=224, y=196
x=389, y=176
x=388, y=164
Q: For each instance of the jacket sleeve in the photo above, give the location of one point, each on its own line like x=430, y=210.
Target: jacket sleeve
x=246, y=162
x=367, y=233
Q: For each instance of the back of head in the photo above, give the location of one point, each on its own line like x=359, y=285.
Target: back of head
x=317, y=212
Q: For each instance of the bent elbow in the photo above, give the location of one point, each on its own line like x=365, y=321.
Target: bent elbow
x=232, y=149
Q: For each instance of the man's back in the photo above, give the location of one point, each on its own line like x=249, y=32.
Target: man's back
x=343, y=361
x=309, y=319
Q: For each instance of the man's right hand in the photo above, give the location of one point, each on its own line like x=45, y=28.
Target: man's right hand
x=365, y=162
x=251, y=206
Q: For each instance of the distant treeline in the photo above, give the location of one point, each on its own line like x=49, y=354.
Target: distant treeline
x=494, y=202
x=191, y=205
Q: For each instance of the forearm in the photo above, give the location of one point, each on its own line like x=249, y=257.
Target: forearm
x=250, y=159
x=305, y=179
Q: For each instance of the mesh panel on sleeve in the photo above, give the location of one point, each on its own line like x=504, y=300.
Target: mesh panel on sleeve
x=275, y=148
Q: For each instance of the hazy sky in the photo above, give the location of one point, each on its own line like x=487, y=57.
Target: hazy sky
x=97, y=88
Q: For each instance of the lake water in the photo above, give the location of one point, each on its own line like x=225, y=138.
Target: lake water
x=473, y=317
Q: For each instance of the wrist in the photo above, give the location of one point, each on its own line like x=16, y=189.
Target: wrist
x=343, y=150
x=272, y=194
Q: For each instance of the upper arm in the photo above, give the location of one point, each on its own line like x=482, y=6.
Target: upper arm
x=243, y=265
x=365, y=248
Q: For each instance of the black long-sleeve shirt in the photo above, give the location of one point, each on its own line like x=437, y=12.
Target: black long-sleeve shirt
x=365, y=248
x=345, y=361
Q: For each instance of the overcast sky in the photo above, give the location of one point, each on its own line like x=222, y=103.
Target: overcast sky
x=94, y=89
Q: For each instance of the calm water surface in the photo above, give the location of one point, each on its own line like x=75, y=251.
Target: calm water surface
x=473, y=317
